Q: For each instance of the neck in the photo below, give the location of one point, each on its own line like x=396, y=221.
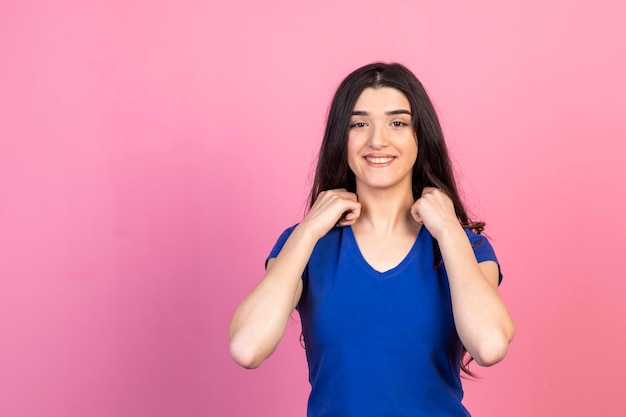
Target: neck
x=385, y=210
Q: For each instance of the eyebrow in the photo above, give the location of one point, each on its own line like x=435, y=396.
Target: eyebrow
x=388, y=113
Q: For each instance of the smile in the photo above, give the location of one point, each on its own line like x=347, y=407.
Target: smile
x=379, y=159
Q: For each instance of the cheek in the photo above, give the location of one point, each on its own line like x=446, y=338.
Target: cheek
x=414, y=154
x=353, y=153
x=410, y=145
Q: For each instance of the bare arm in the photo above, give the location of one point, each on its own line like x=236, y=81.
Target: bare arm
x=481, y=318
x=482, y=321
x=260, y=321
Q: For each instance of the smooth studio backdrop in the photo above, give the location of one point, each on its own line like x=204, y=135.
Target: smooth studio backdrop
x=152, y=151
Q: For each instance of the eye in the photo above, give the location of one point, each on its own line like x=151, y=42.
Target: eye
x=398, y=123
x=358, y=124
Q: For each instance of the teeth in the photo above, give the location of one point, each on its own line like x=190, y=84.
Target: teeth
x=378, y=160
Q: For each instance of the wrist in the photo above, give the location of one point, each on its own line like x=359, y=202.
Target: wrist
x=450, y=232
x=306, y=233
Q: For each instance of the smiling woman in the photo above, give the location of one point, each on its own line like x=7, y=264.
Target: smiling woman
x=392, y=280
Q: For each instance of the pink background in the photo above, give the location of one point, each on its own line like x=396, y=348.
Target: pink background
x=152, y=151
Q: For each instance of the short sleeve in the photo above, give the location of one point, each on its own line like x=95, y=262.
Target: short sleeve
x=483, y=250
x=278, y=246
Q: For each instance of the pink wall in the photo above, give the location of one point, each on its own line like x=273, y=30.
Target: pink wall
x=151, y=152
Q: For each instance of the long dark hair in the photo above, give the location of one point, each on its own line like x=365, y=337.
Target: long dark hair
x=433, y=167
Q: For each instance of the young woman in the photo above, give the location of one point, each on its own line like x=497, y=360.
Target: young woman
x=392, y=280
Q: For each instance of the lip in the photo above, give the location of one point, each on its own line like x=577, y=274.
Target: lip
x=379, y=160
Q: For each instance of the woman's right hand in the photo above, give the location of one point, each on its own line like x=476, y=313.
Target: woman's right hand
x=332, y=208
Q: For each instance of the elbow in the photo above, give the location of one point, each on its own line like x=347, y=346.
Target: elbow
x=493, y=351
x=244, y=354
x=491, y=355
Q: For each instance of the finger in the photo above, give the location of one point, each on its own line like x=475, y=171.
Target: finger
x=347, y=195
x=350, y=216
x=355, y=213
x=346, y=203
x=428, y=190
x=416, y=216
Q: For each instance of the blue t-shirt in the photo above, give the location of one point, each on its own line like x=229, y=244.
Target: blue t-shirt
x=380, y=343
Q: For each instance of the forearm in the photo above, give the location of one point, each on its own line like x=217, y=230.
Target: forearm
x=260, y=321
x=481, y=318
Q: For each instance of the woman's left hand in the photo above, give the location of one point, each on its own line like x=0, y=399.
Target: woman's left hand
x=435, y=210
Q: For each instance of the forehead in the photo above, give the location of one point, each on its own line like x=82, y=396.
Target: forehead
x=384, y=99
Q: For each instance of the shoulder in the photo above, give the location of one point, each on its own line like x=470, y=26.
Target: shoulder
x=330, y=237
x=481, y=245
x=333, y=233
x=475, y=238
x=280, y=242
x=286, y=233
x=483, y=249
x=325, y=246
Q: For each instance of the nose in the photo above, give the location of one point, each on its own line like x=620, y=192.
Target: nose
x=378, y=137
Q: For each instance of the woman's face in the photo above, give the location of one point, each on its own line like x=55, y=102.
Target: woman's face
x=382, y=147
